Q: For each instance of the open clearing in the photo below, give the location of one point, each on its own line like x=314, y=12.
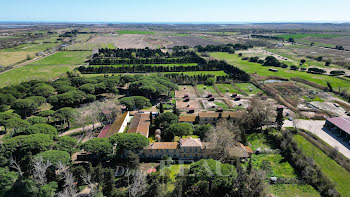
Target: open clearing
x=47, y=68
x=185, y=90
x=65, y=58
x=329, y=167
x=279, y=168
x=27, y=73
x=88, y=46
x=255, y=68
x=204, y=90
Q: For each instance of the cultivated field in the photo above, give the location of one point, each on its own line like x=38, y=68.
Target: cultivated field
x=65, y=58
x=88, y=46
x=185, y=90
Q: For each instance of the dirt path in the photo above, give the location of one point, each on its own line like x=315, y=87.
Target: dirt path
x=28, y=62
x=316, y=127
x=86, y=128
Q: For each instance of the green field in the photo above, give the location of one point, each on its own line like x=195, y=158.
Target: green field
x=202, y=88
x=337, y=174
x=248, y=88
x=221, y=105
x=27, y=73
x=89, y=46
x=251, y=67
x=298, y=36
x=47, y=68
x=65, y=58
x=224, y=87
x=279, y=168
x=135, y=32
x=293, y=190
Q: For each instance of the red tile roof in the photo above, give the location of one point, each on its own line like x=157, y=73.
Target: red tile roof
x=341, y=123
x=115, y=127
x=189, y=118
x=162, y=145
x=190, y=142
x=140, y=124
x=104, y=131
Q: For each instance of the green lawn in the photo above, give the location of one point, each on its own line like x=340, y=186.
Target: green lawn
x=135, y=32
x=293, y=190
x=174, y=171
x=248, y=88
x=337, y=174
x=251, y=67
x=224, y=87
x=221, y=105
x=193, y=73
x=202, y=88
x=65, y=58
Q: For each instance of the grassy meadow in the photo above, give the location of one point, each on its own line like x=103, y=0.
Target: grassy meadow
x=255, y=68
x=337, y=174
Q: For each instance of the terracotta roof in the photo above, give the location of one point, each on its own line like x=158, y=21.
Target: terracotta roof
x=341, y=123
x=140, y=124
x=246, y=148
x=162, y=145
x=208, y=114
x=189, y=118
x=115, y=127
x=190, y=142
x=104, y=131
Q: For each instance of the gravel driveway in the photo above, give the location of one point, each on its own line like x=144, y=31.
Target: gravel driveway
x=316, y=127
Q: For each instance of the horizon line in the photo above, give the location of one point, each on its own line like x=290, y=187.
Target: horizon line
x=182, y=22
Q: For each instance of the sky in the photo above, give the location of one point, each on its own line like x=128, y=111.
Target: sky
x=187, y=11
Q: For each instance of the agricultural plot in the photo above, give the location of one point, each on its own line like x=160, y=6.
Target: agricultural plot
x=299, y=36
x=251, y=67
x=275, y=165
x=248, y=88
x=227, y=89
x=331, y=42
x=47, y=68
x=33, y=72
x=213, y=105
x=65, y=58
x=190, y=104
x=337, y=174
x=189, y=41
x=204, y=91
x=185, y=90
x=166, y=65
x=21, y=52
x=89, y=46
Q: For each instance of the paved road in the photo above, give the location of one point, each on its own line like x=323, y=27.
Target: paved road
x=316, y=127
x=86, y=128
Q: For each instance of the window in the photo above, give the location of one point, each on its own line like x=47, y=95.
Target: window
x=150, y=151
x=157, y=151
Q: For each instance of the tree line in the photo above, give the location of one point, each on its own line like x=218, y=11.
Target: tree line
x=230, y=48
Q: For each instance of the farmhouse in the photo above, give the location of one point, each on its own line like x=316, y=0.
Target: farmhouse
x=118, y=126
x=140, y=124
x=340, y=125
x=188, y=149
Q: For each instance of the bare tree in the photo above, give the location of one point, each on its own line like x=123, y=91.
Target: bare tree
x=92, y=186
x=258, y=115
x=223, y=139
x=14, y=164
x=138, y=187
x=39, y=171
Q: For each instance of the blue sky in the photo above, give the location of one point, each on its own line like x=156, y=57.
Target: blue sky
x=176, y=10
